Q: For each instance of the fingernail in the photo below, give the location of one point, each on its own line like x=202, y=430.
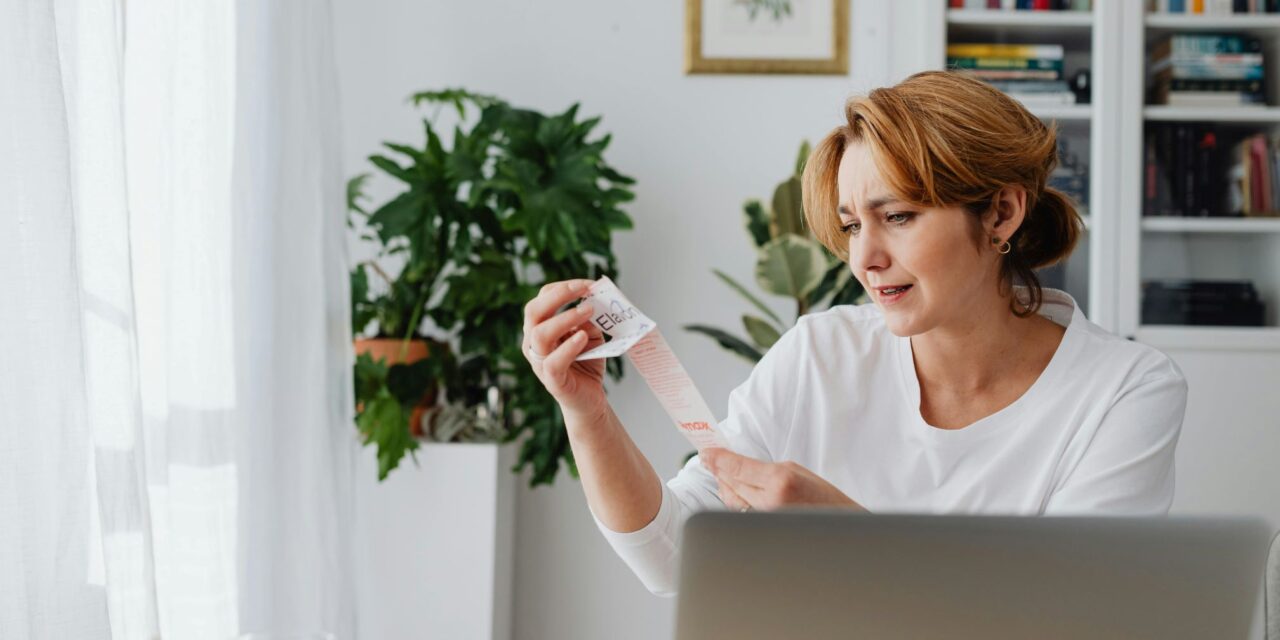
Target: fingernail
x=577, y=337
x=585, y=309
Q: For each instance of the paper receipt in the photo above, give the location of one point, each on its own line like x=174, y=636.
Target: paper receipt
x=634, y=334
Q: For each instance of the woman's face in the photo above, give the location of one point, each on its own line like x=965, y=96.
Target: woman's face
x=920, y=265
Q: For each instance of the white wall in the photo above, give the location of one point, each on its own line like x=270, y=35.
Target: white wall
x=698, y=146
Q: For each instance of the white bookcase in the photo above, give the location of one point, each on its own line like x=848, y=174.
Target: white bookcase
x=1228, y=248
x=1121, y=247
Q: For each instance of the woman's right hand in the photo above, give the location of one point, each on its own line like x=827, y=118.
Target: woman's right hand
x=553, y=341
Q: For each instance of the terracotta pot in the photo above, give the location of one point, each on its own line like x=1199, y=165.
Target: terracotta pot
x=395, y=351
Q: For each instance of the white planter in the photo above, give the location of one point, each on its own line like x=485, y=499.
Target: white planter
x=434, y=544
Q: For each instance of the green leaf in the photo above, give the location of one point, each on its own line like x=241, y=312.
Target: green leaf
x=791, y=266
x=385, y=424
x=849, y=293
x=761, y=332
x=757, y=222
x=413, y=154
x=398, y=217
x=355, y=193
x=388, y=165
x=747, y=294
x=361, y=314
x=802, y=157
x=788, y=208
x=836, y=277
x=728, y=341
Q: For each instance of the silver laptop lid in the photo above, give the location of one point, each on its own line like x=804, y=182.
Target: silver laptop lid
x=840, y=575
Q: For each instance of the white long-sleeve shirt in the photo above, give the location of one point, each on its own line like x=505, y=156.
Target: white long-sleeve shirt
x=838, y=394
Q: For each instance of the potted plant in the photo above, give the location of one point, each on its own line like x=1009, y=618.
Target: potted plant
x=514, y=199
x=790, y=263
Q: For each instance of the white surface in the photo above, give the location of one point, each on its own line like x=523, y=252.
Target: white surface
x=74, y=544
x=1065, y=112
x=434, y=544
x=1211, y=114
x=1219, y=339
x=728, y=31
x=1040, y=20
x=1262, y=25
x=1211, y=225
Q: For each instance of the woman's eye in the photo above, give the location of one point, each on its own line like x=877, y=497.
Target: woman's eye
x=851, y=227
x=899, y=218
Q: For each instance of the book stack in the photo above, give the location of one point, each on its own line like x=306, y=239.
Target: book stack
x=1202, y=302
x=1194, y=70
x=1030, y=73
x=1022, y=5
x=1203, y=170
x=1213, y=7
x=1254, y=177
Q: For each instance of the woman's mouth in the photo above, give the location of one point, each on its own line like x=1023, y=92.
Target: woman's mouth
x=892, y=294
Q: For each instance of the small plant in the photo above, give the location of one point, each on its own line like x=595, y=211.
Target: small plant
x=790, y=263
x=779, y=9
x=519, y=199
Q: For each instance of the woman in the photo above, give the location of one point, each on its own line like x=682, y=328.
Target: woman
x=964, y=388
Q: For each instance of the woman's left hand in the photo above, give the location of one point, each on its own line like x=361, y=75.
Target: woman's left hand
x=765, y=486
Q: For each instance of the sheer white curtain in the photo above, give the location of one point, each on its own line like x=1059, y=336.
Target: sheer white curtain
x=175, y=441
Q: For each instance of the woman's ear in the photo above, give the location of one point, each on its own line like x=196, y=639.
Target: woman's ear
x=1008, y=210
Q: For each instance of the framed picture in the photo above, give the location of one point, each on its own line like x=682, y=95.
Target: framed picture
x=767, y=36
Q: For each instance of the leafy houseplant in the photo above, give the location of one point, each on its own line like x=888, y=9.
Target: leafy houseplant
x=790, y=263
x=519, y=199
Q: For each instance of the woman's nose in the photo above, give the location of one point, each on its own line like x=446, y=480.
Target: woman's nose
x=867, y=251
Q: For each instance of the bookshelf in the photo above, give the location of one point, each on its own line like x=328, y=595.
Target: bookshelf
x=1215, y=248
x=1086, y=37
x=1122, y=248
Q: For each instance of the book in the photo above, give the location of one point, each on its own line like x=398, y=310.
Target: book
x=1166, y=69
x=1005, y=63
x=979, y=50
x=1210, y=99
x=1205, y=43
x=1011, y=74
x=1030, y=86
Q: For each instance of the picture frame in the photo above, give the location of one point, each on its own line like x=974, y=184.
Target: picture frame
x=767, y=36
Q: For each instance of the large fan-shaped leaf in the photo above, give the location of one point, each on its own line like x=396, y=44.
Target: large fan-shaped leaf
x=788, y=211
x=757, y=222
x=791, y=266
x=761, y=332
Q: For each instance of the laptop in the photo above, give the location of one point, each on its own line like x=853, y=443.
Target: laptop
x=808, y=574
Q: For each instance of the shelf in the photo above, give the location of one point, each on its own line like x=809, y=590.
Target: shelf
x=1072, y=112
x=1260, y=115
x=1253, y=24
x=1071, y=28
x=1159, y=224
x=1210, y=338
x=1047, y=21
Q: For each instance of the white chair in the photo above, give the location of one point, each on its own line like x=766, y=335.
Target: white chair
x=1273, y=590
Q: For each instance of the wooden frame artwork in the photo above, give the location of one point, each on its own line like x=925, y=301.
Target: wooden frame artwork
x=767, y=36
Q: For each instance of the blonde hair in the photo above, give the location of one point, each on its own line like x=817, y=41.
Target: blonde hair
x=941, y=139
